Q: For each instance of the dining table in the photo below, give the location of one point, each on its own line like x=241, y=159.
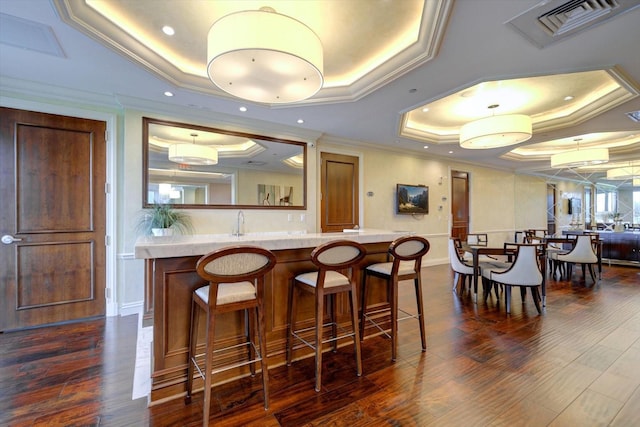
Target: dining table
x=564, y=245
x=478, y=250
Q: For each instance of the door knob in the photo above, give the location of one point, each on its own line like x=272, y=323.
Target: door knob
x=8, y=239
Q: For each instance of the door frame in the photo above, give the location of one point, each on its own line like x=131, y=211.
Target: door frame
x=111, y=297
x=450, y=172
x=333, y=150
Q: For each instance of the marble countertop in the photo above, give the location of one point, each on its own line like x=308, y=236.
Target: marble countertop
x=148, y=247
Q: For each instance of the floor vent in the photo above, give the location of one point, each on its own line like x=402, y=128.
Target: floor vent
x=551, y=21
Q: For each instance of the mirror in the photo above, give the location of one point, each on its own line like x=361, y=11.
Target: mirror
x=193, y=166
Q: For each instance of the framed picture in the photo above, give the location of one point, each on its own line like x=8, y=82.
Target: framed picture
x=412, y=199
x=275, y=195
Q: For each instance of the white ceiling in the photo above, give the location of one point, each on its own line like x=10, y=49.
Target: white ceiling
x=431, y=50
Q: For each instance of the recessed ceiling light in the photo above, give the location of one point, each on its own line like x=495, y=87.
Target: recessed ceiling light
x=425, y=147
x=450, y=152
x=568, y=98
x=168, y=30
x=300, y=121
x=167, y=93
x=243, y=109
x=425, y=110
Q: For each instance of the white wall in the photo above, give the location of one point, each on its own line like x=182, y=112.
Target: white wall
x=500, y=201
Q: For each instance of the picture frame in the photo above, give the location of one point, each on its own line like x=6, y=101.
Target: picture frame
x=412, y=199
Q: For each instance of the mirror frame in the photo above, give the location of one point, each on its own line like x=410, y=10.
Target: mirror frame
x=146, y=121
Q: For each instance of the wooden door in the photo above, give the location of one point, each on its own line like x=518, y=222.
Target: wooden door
x=52, y=184
x=339, y=193
x=551, y=209
x=459, y=204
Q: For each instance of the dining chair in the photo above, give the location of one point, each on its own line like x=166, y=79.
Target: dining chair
x=235, y=277
x=583, y=253
x=462, y=271
x=404, y=262
x=553, y=250
x=537, y=237
x=525, y=272
x=336, y=262
x=478, y=239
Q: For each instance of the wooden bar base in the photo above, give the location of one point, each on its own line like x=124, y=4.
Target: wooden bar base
x=170, y=283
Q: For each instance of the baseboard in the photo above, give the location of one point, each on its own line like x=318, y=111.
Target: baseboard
x=131, y=308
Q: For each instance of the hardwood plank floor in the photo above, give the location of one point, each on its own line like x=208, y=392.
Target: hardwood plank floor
x=578, y=364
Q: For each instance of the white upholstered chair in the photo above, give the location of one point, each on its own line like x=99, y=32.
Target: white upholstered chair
x=461, y=270
x=479, y=239
x=235, y=277
x=525, y=272
x=584, y=253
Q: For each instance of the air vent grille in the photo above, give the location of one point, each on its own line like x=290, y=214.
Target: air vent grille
x=574, y=14
x=29, y=35
x=553, y=20
x=634, y=115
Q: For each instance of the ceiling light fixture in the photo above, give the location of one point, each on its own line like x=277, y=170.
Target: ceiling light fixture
x=578, y=157
x=624, y=173
x=193, y=154
x=264, y=56
x=496, y=131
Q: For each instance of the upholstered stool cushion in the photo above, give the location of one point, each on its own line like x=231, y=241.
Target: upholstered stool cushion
x=406, y=267
x=331, y=278
x=229, y=292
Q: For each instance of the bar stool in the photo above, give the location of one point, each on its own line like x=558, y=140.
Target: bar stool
x=406, y=254
x=332, y=259
x=236, y=281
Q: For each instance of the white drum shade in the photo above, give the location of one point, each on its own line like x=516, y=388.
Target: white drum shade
x=576, y=158
x=193, y=154
x=265, y=57
x=496, y=131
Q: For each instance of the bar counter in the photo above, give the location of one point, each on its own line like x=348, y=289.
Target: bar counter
x=171, y=278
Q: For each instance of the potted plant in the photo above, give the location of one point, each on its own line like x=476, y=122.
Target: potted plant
x=163, y=220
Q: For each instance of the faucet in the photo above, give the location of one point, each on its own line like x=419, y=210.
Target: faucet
x=239, y=220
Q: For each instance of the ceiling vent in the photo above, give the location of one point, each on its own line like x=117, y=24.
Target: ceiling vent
x=551, y=21
x=29, y=35
x=634, y=115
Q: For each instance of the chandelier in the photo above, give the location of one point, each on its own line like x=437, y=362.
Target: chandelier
x=496, y=131
x=578, y=157
x=264, y=56
x=193, y=154
x=624, y=173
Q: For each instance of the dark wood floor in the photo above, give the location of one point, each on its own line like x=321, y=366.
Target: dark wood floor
x=576, y=365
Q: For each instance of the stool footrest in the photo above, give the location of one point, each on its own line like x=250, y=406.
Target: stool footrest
x=367, y=316
x=345, y=334
x=257, y=358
